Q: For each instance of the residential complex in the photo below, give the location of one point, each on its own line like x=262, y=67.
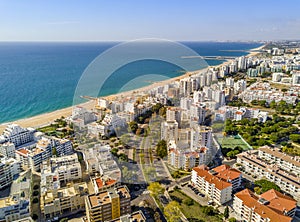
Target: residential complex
x=9, y=170
x=108, y=205
x=269, y=164
x=17, y=135
x=269, y=206
x=17, y=204
x=59, y=201
x=217, y=183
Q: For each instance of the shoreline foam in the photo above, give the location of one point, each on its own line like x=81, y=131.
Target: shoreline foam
x=47, y=118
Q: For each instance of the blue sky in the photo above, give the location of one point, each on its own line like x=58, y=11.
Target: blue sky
x=97, y=20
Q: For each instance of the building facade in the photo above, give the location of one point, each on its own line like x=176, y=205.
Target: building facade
x=108, y=205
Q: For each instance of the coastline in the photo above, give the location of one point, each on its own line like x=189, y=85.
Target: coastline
x=47, y=118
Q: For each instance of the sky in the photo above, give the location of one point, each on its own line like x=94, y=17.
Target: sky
x=119, y=20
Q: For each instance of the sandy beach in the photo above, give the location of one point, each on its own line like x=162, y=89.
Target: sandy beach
x=47, y=118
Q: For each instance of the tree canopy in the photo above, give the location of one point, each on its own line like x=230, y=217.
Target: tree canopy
x=161, y=149
x=172, y=211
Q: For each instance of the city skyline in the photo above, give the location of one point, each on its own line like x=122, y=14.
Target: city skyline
x=120, y=21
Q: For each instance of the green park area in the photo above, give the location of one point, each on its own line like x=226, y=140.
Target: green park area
x=193, y=210
x=232, y=142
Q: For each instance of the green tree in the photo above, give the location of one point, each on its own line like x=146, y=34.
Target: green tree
x=272, y=104
x=257, y=190
x=231, y=219
x=172, y=211
x=133, y=126
x=161, y=149
x=156, y=188
x=114, y=151
x=266, y=185
x=208, y=210
x=188, y=202
x=295, y=138
x=226, y=212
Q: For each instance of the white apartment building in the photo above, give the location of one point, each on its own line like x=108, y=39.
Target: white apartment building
x=65, y=168
x=17, y=135
x=228, y=174
x=188, y=159
x=276, y=77
x=9, y=169
x=198, y=112
x=271, y=206
x=169, y=130
x=8, y=149
x=286, y=180
x=16, y=206
x=215, y=188
x=33, y=157
x=201, y=136
x=63, y=200
x=282, y=160
x=62, y=146
x=296, y=79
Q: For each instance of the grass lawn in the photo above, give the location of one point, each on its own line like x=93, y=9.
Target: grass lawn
x=232, y=142
x=192, y=212
x=47, y=129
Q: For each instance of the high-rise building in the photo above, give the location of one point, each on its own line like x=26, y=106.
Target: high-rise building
x=296, y=79
x=169, y=130
x=108, y=205
x=17, y=135
x=8, y=149
x=9, y=169
x=201, y=136
x=215, y=188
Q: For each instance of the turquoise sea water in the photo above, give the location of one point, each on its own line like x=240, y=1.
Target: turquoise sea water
x=37, y=78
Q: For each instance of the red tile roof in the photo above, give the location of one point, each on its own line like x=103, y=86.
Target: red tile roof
x=251, y=201
x=278, y=201
x=226, y=173
x=219, y=184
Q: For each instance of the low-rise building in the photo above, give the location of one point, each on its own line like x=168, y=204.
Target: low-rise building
x=282, y=160
x=63, y=200
x=103, y=183
x=269, y=206
x=137, y=216
x=108, y=205
x=252, y=163
x=58, y=170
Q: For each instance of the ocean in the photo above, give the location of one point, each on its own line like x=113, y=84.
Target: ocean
x=38, y=77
